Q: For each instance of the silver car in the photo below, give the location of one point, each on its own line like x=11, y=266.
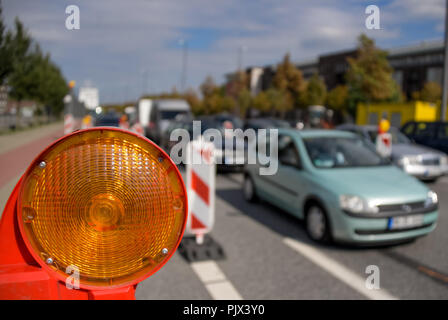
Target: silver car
x=417, y=160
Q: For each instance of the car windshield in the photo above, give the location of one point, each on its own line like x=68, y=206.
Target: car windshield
x=235, y=122
x=338, y=152
x=397, y=136
x=172, y=114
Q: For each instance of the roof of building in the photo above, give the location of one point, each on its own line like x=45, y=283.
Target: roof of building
x=421, y=47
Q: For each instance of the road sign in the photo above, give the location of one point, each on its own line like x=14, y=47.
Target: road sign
x=384, y=144
x=201, y=176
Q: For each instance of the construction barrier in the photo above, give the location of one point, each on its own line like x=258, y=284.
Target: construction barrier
x=201, y=177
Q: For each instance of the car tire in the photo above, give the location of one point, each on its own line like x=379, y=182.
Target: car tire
x=317, y=225
x=249, y=191
x=432, y=180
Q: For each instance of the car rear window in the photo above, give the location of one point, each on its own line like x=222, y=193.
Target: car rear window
x=425, y=129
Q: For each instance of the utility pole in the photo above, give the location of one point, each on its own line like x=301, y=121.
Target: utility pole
x=445, y=68
x=241, y=50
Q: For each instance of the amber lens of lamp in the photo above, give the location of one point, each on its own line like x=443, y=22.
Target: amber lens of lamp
x=103, y=201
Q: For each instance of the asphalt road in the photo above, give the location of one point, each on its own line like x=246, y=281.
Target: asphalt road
x=267, y=253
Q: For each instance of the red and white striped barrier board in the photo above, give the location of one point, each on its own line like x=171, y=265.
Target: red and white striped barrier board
x=137, y=128
x=69, y=123
x=124, y=124
x=384, y=144
x=201, y=176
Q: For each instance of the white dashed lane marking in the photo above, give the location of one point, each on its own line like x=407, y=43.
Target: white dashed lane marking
x=215, y=281
x=338, y=270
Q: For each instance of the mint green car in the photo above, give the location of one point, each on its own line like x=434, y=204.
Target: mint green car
x=343, y=189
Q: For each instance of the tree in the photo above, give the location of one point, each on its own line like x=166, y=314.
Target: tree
x=208, y=86
x=20, y=78
x=28, y=72
x=279, y=101
x=337, y=98
x=236, y=83
x=5, y=51
x=194, y=101
x=261, y=102
x=218, y=102
x=236, y=88
x=244, y=101
x=431, y=92
x=288, y=79
x=315, y=92
x=369, y=76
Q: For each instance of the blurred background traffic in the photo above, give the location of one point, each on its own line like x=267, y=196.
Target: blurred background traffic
x=322, y=75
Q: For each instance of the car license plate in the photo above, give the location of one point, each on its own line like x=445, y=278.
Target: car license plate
x=405, y=222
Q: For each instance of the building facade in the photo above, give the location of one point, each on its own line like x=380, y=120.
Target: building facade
x=413, y=67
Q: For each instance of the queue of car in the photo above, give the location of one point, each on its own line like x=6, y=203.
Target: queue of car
x=334, y=180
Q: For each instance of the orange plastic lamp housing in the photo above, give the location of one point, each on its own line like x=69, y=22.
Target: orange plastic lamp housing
x=103, y=201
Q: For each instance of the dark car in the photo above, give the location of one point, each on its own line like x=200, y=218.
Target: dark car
x=431, y=134
x=110, y=119
x=206, y=122
x=266, y=123
x=228, y=121
x=165, y=140
x=231, y=141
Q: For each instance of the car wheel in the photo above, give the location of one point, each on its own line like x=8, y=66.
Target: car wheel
x=317, y=226
x=249, y=189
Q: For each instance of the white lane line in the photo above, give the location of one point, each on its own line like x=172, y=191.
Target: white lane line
x=338, y=270
x=215, y=280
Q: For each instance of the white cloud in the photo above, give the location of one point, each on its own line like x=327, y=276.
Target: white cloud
x=426, y=9
x=118, y=39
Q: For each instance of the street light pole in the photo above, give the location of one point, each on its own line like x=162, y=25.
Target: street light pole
x=241, y=50
x=445, y=68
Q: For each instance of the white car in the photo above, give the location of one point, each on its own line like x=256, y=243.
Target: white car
x=422, y=162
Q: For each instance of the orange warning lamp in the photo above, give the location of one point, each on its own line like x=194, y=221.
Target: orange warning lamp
x=383, y=126
x=105, y=201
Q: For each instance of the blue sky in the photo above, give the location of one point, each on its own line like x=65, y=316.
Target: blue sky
x=123, y=45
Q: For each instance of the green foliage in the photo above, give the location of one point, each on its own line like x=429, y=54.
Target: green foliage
x=193, y=100
x=27, y=71
x=237, y=82
x=279, y=101
x=208, y=86
x=244, y=101
x=337, y=99
x=315, y=92
x=288, y=79
x=431, y=92
x=370, y=76
x=261, y=102
x=5, y=51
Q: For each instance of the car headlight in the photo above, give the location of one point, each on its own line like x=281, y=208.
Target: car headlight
x=356, y=204
x=431, y=199
x=409, y=160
